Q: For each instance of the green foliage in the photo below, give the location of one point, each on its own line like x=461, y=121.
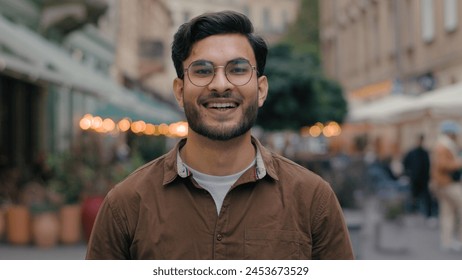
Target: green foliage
x=299, y=95
x=70, y=176
x=303, y=34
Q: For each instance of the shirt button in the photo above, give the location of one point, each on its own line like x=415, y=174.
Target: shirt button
x=219, y=237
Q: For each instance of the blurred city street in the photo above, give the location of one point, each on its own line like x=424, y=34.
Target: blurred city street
x=354, y=88
x=409, y=238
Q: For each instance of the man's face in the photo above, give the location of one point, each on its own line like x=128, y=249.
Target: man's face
x=221, y=110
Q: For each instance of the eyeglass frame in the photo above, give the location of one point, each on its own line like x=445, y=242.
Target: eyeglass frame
x=253, y=67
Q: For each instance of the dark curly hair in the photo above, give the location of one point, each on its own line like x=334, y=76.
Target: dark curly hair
x=208, y=24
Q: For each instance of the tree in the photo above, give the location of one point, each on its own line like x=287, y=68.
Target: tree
x=299, y=94
x=303, y=34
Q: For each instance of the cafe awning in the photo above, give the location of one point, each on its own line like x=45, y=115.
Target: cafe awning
x=445, y=101
x=25, y=53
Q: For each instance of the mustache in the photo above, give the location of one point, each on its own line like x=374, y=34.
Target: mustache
x=214, y=95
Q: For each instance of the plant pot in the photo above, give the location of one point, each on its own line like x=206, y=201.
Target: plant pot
x=45, y=229
x=18, y=225
x=2, y=222
x=90, y=208
x=71, y=225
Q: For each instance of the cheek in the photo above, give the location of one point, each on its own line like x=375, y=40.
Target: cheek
x=190, y=97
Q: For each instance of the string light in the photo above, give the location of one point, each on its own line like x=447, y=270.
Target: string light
x=139, y=127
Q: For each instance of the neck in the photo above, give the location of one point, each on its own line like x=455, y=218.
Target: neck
x=218, y=158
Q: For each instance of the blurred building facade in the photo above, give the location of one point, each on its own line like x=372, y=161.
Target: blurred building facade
x=399, y=62
x=56, y=66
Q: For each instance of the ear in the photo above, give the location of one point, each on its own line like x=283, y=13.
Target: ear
x=262, y=90
x=178, y=86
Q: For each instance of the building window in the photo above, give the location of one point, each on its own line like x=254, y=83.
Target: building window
x=450, y=15
x=408, y=31
x=186, y=16
x=285, y=20
x=151, y=49
x=266, y=19
x=428, y=21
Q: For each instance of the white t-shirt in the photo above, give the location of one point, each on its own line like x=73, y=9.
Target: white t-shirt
x=217, y=186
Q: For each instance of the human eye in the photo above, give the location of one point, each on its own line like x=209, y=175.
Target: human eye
x=201, y=69
x=238, y=67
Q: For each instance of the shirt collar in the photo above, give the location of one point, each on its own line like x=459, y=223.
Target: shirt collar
x=174, y=165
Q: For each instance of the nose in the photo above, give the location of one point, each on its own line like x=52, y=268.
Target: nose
x=220, y=82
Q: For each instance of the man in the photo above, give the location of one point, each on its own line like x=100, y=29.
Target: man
x=219, y=194
x=417, y=166
x=446, y=166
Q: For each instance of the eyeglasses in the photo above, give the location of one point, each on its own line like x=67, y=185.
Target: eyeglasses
x=237, y=71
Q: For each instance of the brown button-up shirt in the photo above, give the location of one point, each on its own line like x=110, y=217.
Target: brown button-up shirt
x=275, y=210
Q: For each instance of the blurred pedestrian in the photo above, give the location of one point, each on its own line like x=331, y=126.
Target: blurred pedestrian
x=219, y=194
x=416, y=164
x=446, y=166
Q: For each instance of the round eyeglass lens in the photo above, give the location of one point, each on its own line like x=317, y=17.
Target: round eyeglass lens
x=201, y=73
x=238, y=72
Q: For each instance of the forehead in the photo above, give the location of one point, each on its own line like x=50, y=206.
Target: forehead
x=222, y=48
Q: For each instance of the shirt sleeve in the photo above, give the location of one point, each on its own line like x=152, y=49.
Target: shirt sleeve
x=108, y=240
x=331, y=240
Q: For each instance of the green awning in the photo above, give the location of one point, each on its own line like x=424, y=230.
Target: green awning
x=25, y=52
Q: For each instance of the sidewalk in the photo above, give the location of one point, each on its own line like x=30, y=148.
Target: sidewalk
x=29, y=252
x=408, y=238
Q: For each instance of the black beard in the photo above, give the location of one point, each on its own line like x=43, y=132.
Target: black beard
x=221, y=134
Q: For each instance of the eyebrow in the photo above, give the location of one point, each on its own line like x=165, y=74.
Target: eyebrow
x=204, y=61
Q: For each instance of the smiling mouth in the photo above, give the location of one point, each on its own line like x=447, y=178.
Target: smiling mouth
x=221, y=106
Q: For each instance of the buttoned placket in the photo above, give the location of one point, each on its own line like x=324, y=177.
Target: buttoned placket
x=219, y=242
x=219, y=235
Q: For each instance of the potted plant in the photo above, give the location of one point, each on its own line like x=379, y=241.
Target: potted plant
x=67, y=184
x=95, y=189
x=45, y=225
x=18, y=224
x=15, y=215
x=42, y=204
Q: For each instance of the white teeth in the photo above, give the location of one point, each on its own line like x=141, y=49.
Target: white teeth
x=221, y=105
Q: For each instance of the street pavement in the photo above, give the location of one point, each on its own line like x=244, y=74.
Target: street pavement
x=30, y=252
x=409, y=237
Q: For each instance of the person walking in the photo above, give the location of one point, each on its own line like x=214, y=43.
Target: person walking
x=219, y=193
x=446, y=166
x=416, y=163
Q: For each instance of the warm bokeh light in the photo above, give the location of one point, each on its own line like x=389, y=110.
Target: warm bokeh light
x=331, y=129
x=138, y=127
x=179, y=129
x=328, y=130
x=182, y=129
x=150, y=129
x=315, y=131
x=85, y=122
x=124, y=125
x=108, y=125
x=96, y=123
x=163, y=129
